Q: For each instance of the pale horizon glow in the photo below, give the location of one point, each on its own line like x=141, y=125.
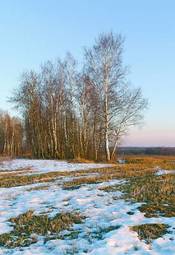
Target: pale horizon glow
x=33, y=32
x=143, y=138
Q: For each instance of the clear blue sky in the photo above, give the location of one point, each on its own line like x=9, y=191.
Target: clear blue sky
x=33, y=31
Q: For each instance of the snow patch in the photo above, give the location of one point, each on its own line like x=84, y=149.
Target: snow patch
x=162, y=172
x=44, y=166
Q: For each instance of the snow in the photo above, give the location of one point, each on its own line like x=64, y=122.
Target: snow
x=162, y=172
x=102, y=209
x=121, y=161
x=44, y=166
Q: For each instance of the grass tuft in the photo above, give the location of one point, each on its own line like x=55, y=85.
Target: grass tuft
x=150, y=232
x=28, y=226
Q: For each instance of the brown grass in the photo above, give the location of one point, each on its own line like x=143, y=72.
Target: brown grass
x=28, y=225
x=135, y=166
x=80, y=160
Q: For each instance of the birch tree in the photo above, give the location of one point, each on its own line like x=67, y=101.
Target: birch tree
x=11, y=135
x=83, y=112
x=120, y=105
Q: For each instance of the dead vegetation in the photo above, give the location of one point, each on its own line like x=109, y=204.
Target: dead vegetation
x=155, y=193
x=27, y=227
x=134, y=167
x=150, y=232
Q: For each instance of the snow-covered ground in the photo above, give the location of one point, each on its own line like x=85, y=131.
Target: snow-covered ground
x=44, y=166
x=102, y=210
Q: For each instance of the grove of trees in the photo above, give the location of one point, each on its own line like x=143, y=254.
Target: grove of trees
x=73, y=111
x=11, y=135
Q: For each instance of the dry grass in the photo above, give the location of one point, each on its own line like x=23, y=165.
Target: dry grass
x=156, y=193
x=28, y=226
x=80, y=160
x=108, y=174
x=150, y=232
x=165, y=162
x=135, y=166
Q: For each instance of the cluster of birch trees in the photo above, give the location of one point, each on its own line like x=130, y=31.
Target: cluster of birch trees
x=11, y=135
x=73, y=111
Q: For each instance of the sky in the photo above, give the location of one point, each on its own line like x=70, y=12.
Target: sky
x=32, y=32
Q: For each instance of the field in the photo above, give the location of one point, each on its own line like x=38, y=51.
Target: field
x=58, y=208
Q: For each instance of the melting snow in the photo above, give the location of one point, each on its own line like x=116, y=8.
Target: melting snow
x=44, y=166
x=102, y=210
x=162, y=172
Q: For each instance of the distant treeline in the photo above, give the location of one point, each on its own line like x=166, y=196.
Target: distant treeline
x=146, y=150
x=70, y=111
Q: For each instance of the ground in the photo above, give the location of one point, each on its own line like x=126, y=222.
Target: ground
x=56, y=207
